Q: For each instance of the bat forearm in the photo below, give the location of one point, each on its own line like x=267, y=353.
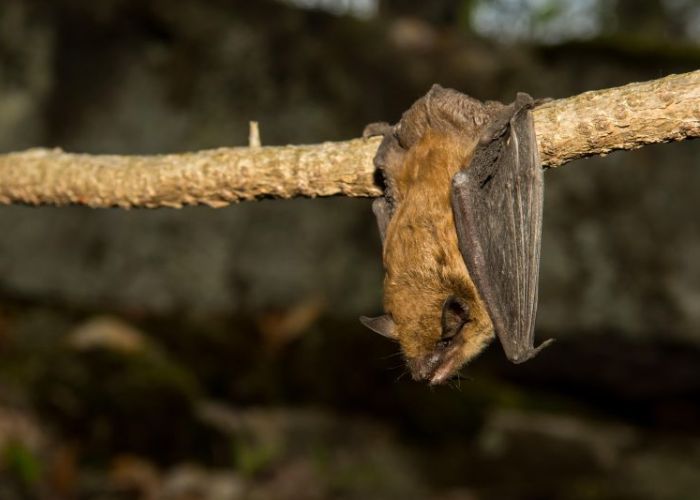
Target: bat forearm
x=592, y=123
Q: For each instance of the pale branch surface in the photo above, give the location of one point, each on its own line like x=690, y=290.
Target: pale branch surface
x=591, y=123
x=214, y=177
x=628, y=117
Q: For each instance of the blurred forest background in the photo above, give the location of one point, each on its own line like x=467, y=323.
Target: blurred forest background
x=204, y=354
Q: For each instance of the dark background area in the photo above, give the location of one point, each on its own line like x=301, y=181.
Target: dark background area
x=215, y=354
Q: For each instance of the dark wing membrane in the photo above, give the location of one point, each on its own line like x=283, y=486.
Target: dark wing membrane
x=388, y=160
x=497, y=206
x=382, y=212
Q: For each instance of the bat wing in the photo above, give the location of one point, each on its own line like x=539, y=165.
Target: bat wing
x=389, y=157
x=497, y=206
x=382, y=212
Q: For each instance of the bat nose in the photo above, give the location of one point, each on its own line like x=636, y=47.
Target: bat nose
x=424, y=367
x=418, y=371
x=435, y=367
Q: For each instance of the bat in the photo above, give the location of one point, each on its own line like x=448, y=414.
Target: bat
x=460, y=223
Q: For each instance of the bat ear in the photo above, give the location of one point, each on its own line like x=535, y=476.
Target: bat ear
x=383, y=325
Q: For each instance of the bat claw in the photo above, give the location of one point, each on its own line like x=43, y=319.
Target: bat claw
x=377, y=128
x=541, y=101
x=522, y=100
x=503, y=120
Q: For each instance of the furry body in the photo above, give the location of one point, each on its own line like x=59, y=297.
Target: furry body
x=463, y=205
x=421, y=256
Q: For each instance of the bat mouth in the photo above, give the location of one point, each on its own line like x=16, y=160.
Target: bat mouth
x=439, y=366
x=446, y=370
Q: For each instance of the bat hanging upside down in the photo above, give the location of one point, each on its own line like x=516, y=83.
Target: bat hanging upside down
x=461, y=226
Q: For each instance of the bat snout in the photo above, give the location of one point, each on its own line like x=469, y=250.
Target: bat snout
x=436, y=367
x=422, y=368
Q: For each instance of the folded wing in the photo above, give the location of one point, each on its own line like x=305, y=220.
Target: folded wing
x=497, y=207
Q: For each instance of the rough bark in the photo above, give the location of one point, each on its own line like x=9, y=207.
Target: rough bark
x=592, y=123
x=628, y=117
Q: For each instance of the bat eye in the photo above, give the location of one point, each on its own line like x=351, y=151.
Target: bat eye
x=455, y=313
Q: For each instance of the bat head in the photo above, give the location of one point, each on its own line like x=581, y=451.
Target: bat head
x=437, y=335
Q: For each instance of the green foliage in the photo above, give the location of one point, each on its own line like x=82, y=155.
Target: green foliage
x=21, y=463
x=251, y=457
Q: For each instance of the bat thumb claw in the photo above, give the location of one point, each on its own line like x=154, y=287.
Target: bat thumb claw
x=378, y=128
x=523, y=99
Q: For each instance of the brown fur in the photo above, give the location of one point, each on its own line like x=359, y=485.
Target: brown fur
x=435, y=138
x=423, y=263
x=432, y=305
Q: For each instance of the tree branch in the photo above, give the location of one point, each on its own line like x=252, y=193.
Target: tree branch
x=593, y=123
